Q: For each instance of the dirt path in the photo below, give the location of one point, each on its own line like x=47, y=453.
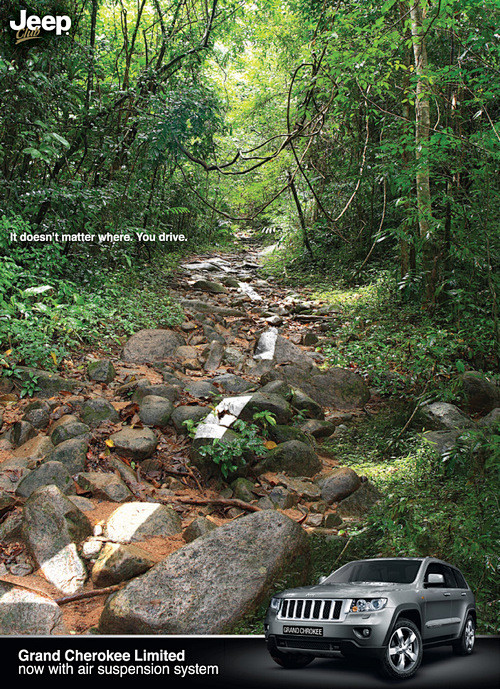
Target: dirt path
x=239, y=326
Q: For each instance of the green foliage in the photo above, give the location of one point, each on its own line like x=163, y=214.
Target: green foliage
x=232, y=455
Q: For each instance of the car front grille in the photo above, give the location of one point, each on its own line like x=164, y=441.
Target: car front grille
x=307, y=644
x=323, y=609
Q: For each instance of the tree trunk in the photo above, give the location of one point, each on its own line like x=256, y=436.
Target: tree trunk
x=430, y=256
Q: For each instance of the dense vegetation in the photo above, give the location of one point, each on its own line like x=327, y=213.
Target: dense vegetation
x=364, y=134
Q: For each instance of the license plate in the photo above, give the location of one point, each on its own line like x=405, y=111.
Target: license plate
x=295, y=630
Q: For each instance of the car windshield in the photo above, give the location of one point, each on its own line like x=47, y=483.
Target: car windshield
x=376, y=571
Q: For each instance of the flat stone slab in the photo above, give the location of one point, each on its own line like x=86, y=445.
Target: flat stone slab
x=136, y=521
x=151, y=345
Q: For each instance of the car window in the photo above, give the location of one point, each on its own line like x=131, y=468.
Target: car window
x=449, y=578
x=461, y=583
x=373, y=571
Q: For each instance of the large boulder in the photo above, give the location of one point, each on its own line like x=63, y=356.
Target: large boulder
x=101, y=371
x=148, y=346
x=264, y=401
x=213, y=582
x=442, y=416
x=186, y=412
x=339, y=484
x=360, y=502
x=481, y=394
x=34, y=449
x=26, y=612
x=336, y=387
x=52, y=528
x=104, y=486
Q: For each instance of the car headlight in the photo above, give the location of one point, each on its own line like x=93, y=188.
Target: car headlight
x=368, y=604
x=274, y=605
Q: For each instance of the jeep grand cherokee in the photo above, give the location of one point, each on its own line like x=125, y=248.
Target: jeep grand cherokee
x=387, y=608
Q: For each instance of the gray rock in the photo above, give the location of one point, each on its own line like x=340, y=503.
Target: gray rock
x=210, y=286
x=293, y=457
x=155, y=411
x=315, y=519
x=304, y=489
x=37, y=413
x=318, y=428
x=214, y=358
x=20, y=432
x=144, y=389
x=332, y=519
x=310, y=339
x=278, y=387
x=243, y=489
x=481, y=394
x=97, y=411
x=6, y=500
x=441, y=416
x=36, y=448
x=210, y=584
x=25, y=612
x=148, y=346
x=11, y=527
x=48, y=473
x=72, y=453
x=68, y=430
x=336, y=387
x=203, y=307
x=117, y=562
x=83, y=504
x=282, y=434
x=52, y=528
x=47, y=384
x=136, y=521
x=232, y=384
x=201, y=389
x=105, y=486
x=360, y=502
x=197, y=528
x=211, y=334
x=338, y=484
x=491, y=420
x=136, y=443
x=441, y=442
x=101, y=371
x=233, y=356
x=187, y=413
x=306, y=404
x=282, y=498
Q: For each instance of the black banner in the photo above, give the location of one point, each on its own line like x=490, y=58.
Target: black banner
x=229, y=662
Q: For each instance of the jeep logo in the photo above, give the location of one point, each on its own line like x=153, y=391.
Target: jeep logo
x=29, y=27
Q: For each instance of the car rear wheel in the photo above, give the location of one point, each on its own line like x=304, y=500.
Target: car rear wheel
x=403, y=653
x=465, y=644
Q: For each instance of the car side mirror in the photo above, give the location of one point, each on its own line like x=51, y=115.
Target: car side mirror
x=322, y=579
x=435, y=580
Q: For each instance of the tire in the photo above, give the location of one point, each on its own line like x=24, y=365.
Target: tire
x=291, y=661
x=403, y=653
x=465, y=643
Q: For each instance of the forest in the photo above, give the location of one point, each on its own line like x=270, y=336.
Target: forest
x=355, y=145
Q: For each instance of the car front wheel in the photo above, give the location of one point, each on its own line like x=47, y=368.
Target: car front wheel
x=465, y=644
x=403, y=653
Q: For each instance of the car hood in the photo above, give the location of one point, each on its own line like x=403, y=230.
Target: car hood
x=361, y=590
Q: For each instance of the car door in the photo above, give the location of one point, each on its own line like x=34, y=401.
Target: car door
x=437, y=603
x=456, y=600
x=459, y=599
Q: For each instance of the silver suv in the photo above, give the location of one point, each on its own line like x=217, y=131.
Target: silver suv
x=387, y=608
